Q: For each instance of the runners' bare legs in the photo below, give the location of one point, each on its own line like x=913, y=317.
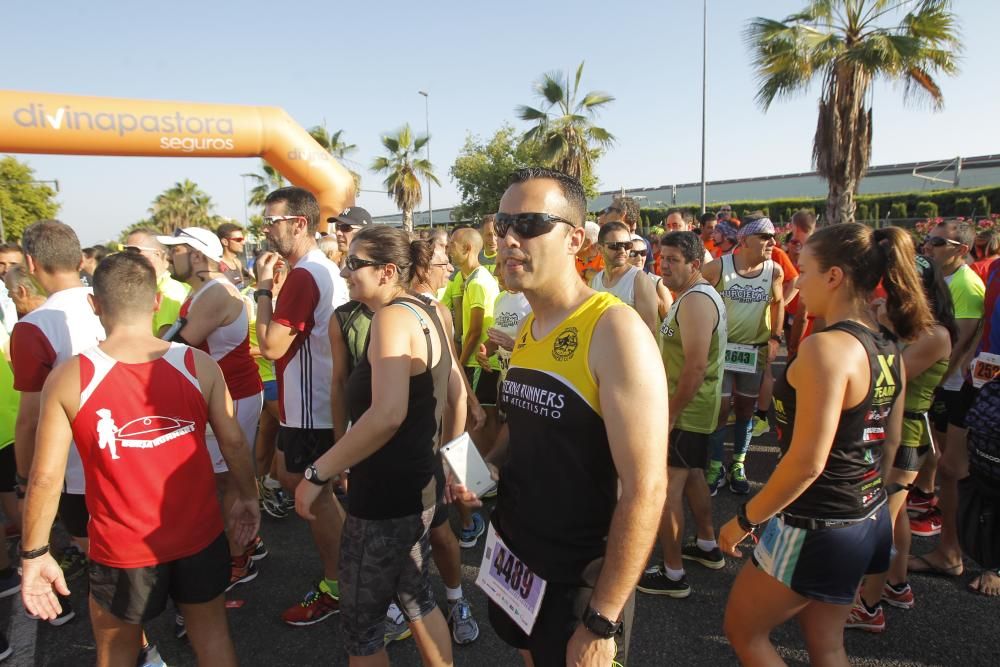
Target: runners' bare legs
x=700, y=501
x=822, y=627
x=953, y=466
x=757, y=604
x=328, y=524
x=118, y=642
x=871, y=589
x=433, y=639
x=208, y=630
x=267, y=433
x=447, y=555
x=672, y=520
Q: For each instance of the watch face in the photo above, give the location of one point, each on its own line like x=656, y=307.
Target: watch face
x=309, y=473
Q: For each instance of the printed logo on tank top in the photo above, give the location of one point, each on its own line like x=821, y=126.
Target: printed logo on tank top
x=141, y=433
x=666, y=329
x=746, y=294
x=506, y=319
x=534, y=399
x=565, y=344
x=882, y=399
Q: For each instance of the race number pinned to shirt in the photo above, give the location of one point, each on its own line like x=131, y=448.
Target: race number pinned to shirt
x=509, y=583
x=741, y=358
x=985, y=367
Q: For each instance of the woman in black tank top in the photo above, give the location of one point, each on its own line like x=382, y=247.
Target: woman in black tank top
x=836, y=407
x=397, y=396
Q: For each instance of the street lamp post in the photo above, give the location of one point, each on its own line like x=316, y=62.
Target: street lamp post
x=427, y=121
x=704, y=93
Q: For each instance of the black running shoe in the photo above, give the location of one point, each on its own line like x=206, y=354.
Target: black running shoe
x=656, y=582
x=712, y=559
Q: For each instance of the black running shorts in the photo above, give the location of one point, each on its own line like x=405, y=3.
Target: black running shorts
x=8, y=469
x=302, y=446
x=951, y=407
x=73, y=513
x=138, y=595
x=688, y=450
x=484, y=384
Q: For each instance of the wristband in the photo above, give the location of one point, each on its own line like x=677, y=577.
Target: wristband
x=745, y=524
x=777, y=338
x=34, y=553
x=263, y=292
x=20, y=481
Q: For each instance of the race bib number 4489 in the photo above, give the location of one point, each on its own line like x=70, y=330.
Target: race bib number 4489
x=509, y=583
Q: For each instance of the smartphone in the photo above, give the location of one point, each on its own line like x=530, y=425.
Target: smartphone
x=467, y=465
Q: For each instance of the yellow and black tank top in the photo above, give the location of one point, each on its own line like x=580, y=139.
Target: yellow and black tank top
x=559, y=487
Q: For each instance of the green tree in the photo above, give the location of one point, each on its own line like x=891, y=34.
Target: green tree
x=850, y=44
x=564, y=125
x=335, y=145
x=23, y=200
x=482, y=169
x=267, y=180
x=183, y=205
x=404, y=170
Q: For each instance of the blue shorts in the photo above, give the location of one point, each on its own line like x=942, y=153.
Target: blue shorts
x=271, y=390
x=826, y=564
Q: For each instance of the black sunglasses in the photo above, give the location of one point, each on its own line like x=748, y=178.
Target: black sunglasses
x=620, y=245
x=637, y=253
x=938, y=241
x=527, y=225
x=355, y=263
x=346, y=228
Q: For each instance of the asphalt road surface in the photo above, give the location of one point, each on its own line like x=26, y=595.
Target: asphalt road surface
x=948, y=626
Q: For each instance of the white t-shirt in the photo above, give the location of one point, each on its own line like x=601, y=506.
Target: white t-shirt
x=509, y=312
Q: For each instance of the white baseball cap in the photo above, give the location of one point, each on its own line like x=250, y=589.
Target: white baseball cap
x=202, y=240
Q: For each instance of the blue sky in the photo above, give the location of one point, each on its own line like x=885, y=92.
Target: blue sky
x=359, y=67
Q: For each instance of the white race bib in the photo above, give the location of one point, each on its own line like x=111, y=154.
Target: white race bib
x=984, y=368
x=741, y=358
x=509, y=583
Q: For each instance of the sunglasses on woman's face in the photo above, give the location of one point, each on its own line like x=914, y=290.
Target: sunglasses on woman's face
x=354, y=263
x=638, y=253
x=938, y=241
x=527, y=225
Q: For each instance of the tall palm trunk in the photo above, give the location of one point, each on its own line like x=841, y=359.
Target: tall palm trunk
x=408, y=218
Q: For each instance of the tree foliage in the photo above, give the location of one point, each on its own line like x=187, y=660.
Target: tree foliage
x=563, y=126
x=849, y=44
x=22, y=201
x=337, y=146
x=264, y=182
x=182, y=205
x=404, y=170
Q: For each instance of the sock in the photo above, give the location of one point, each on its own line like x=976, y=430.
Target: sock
x=870, y=610
x=761, y=414
x=741, y=439
x=707, y=545
x=330, y=587
x=716, y=447
x=270, y=482
x=673, y=575
x=899, y=588
x=453, y=594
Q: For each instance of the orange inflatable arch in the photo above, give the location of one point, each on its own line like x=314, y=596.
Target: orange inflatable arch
x=79, y=125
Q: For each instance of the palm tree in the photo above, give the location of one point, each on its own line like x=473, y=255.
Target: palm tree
x=564, y=127
x=337, y=147
x=270, y=179
x=404, y=169
x=183, y=205
x=847, y=43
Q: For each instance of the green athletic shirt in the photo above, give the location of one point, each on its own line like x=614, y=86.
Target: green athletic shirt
x=265, y=367
x=488, y=261
x=480, y=291
x=918, y=399
x=702, y=413
x=173, y=294
x=748, y=302
x=968, y=294
x=451, y=291
x=10, y=398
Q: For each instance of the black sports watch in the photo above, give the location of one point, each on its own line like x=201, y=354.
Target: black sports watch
x=262, y=292
x=744, y=522
x=598, y=624
x=312, y=475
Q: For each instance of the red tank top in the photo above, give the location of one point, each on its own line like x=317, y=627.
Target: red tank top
x=229, y=345
x=140, y=432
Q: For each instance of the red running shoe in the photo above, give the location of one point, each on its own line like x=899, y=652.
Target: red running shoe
x=317, y=606
x=926, y=524
x=862, y=619
x=899, y=598
x=918, y=502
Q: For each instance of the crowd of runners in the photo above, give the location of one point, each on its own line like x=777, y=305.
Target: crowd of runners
x=157, y=400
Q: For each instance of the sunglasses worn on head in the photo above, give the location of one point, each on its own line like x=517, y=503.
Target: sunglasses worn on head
x=527, y=225
x=355, y=263
x=138, y=249
x=620, y=245
x=938, y=241
x=637, y=253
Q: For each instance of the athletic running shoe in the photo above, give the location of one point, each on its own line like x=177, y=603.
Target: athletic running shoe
x=10, y=584
x=901, y=598
x=256, y=549
x=241, y=574
x=738, y=483
x=287, y=501
x=926, y=524
x=470, y=536
x=712, y=559
x=180, y=629
x=5, y=648
x=270, y=500
x=918, y=502
x=862, y=619
x=716, y=479
x=150, y=657
x=656, y=582
x=760, y=427
x=72, y=562
x=464, y=629
x=315, y=607
x=396, y=629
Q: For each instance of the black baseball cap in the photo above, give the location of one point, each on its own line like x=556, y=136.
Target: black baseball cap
x=355, y=215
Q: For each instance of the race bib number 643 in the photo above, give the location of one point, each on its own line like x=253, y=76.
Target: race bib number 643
x=509, y=583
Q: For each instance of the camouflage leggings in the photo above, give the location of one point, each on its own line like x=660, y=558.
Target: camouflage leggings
x=382, y=561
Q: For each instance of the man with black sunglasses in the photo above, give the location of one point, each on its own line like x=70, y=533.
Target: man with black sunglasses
x=349, y=223
x=232, y=266
x=579, y=367
x=620, y=278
